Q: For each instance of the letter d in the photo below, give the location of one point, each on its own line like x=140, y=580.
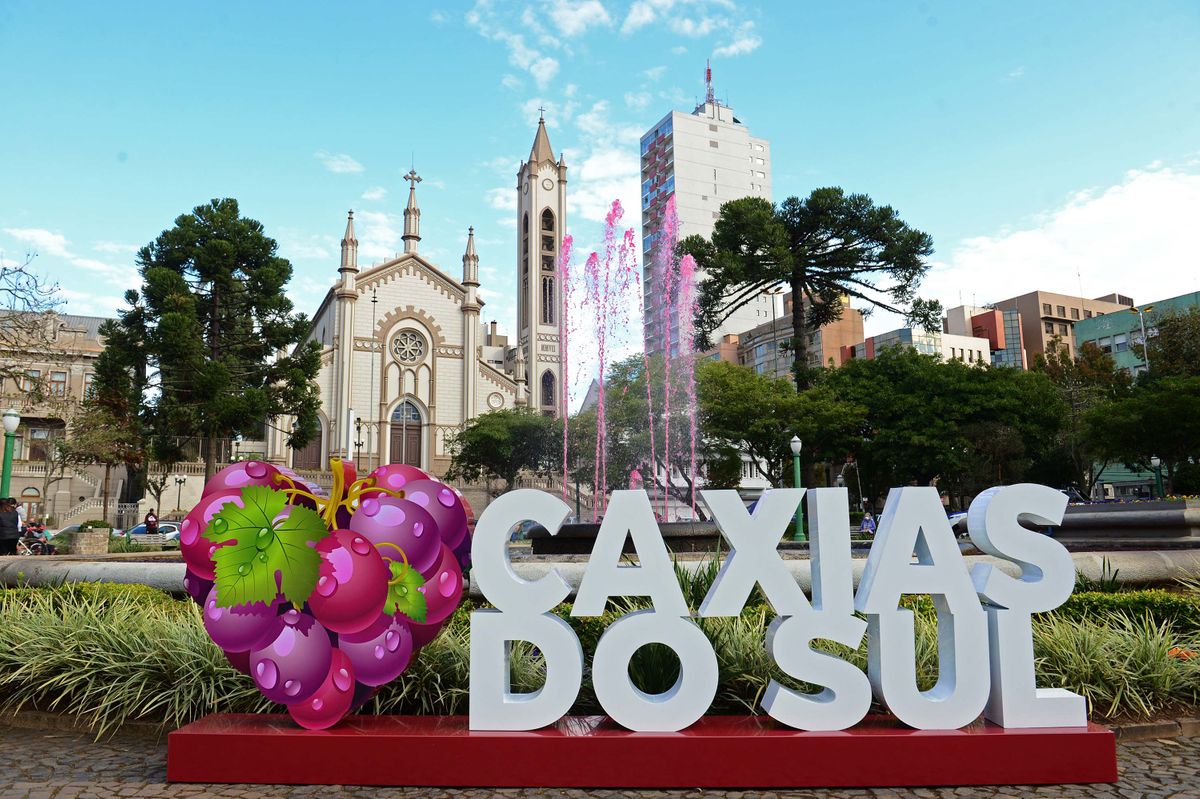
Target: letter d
x=492, y=705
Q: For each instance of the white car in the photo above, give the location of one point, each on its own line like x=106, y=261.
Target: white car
x=168, y=530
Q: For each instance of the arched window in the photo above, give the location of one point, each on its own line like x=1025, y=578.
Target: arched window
x=548, y=389
x=547, y=300
x=406, y=413
x=548, y=220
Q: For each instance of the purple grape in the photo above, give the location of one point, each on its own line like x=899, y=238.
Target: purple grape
x=292, y=667
x=380, y=652
x=330, y=702
x=352, y=585
x=237, y=476
x=444, y=505
x=388, y=522
x=242, y=627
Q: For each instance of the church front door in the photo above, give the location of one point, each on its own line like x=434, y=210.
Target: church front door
x=406, y=434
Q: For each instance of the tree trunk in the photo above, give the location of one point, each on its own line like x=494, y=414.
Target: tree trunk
x=134, y=487
x=210, y=456
x=799, y=332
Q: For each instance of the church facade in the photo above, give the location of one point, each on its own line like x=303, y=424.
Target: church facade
x=405, y=357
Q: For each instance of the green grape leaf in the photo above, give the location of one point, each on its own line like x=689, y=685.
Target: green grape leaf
x=254, y=545
x=403, y=596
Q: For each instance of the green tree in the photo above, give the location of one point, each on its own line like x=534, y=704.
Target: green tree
x=758, y=415
x=1175, y=351
x=220, y=332
x=1089, y=380
x=97, y=437
x=825, y=247
x=1159, y=418
x=500, y=445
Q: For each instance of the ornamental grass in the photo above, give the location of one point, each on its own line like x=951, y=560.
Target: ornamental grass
x=111, y=654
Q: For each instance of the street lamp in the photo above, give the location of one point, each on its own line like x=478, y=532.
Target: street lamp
x=12, y=420
x=358, y=426
x=773, y=293
x=1141, y=313
x=1156, y=464
x=179, y=481
x=796, y=446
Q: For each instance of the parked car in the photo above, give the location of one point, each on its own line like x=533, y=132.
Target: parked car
x=169, y=531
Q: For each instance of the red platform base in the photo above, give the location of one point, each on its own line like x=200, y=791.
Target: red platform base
x=592, y=752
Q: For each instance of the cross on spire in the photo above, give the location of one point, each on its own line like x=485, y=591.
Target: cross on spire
x=412, y=178
x=541, y=113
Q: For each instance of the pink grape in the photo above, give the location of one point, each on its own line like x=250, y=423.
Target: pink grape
x=197, y=550
x=197, y=587
x=352, y=584
x=240, y=628
x=443, y=505
x=292, y=667
x=443, y=587
x=399, y=523
x=380, y=652
x=242, y=474
x=332, y=700
x=394, y=476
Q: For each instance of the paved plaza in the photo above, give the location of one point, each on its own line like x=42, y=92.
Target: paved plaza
x=42, y=764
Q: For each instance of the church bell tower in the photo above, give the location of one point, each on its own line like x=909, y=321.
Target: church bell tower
x=541, y=224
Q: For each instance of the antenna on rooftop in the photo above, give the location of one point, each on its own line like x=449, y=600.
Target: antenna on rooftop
x=709, y=97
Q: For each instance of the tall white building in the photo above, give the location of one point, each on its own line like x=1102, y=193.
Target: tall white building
x=704, y=158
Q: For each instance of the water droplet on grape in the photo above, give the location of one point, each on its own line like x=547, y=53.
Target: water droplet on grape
x=262, y=557
x=213, y=611
x=370, y=506
x=360, y=545
x=326, y=585
x=446, y=497
x=418, y=529
x=244, y=569
x=402, y=589
x=317, y=704
x=391, y=640
x=421, y=588
x=396, y=480
x=447, y=585
x=291, y=616
x=256, y=469
x=219, y=526
x=378, y=652
x=188, y=532
x=291, y=687
x=211, y=550
x=264, y=538
x=342, y=680
x=266, y=674
x=420, y=497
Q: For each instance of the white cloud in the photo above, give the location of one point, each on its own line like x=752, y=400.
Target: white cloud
x=375, y=193
x=693, y=28
x=1134, y=238
x=114, y=248
x=637, y=100
x=744, y=40
x=1017, y=73
x=89, y=302
x=541, y=67
x=573, y=17
x=378, y=234
x=503, y=199
x=42, y=241
x=338, y=163
x=640, y=15
x=510, y=81
x=438, y=17
x=126, y=276
x=655, y=73
x=678, y=49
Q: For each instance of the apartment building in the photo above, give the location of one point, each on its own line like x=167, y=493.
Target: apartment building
x=1046, y=315
x=1120, y=334
x=767, y=348
x=970, y=349
x=1002, y=329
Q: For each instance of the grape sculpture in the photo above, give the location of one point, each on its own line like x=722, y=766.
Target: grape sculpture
x=320, y=598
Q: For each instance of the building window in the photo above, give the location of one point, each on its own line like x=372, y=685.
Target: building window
x=1105, y=344
x=31, y=379
x=87, y=385
x=1050, y=327
x=1087, y=314
x=712, y=144
x=1062, y=330
x=408, y=347
x=1074, y=313
x=58, y=384
x=1046, y=309
x=406, y=413
x=712, y=127
x=1062, y=311
x=547, y=300
x=548, y=389
x=1120, y=343
x=548, y=220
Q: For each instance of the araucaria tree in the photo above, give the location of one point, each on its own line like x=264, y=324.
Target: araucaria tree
x=825, y=247
x=221, y=335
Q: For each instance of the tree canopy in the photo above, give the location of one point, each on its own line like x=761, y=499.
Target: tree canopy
x=826, y=246
x=501, y=444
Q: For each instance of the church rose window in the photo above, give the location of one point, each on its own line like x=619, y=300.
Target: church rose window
x=408, y=347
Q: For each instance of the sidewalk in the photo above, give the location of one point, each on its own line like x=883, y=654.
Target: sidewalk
x=47, y=764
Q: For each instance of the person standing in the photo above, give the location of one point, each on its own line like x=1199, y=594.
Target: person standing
x=151, y=522
x=10, y=526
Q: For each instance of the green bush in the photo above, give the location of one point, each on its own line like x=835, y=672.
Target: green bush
x=97, y=523
x=68, y=595
x=1179, y=611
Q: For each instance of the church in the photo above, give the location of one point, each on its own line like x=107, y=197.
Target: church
x=405, y=357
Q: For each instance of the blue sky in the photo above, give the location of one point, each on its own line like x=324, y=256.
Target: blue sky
x=1043, y=145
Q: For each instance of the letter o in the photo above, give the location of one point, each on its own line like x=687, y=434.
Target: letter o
x=676, y=708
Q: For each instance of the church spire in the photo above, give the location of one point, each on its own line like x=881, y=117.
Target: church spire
x=541, y=150
x=470, y=261
x=349, y=247
x=412, y=214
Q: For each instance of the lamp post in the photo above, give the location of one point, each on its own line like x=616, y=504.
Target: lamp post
x=179, y=481
x=358, y=443
x=1141, y=313
x=796, y=446
x=773, y=293
x=1156, y=464
x=12, y=420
